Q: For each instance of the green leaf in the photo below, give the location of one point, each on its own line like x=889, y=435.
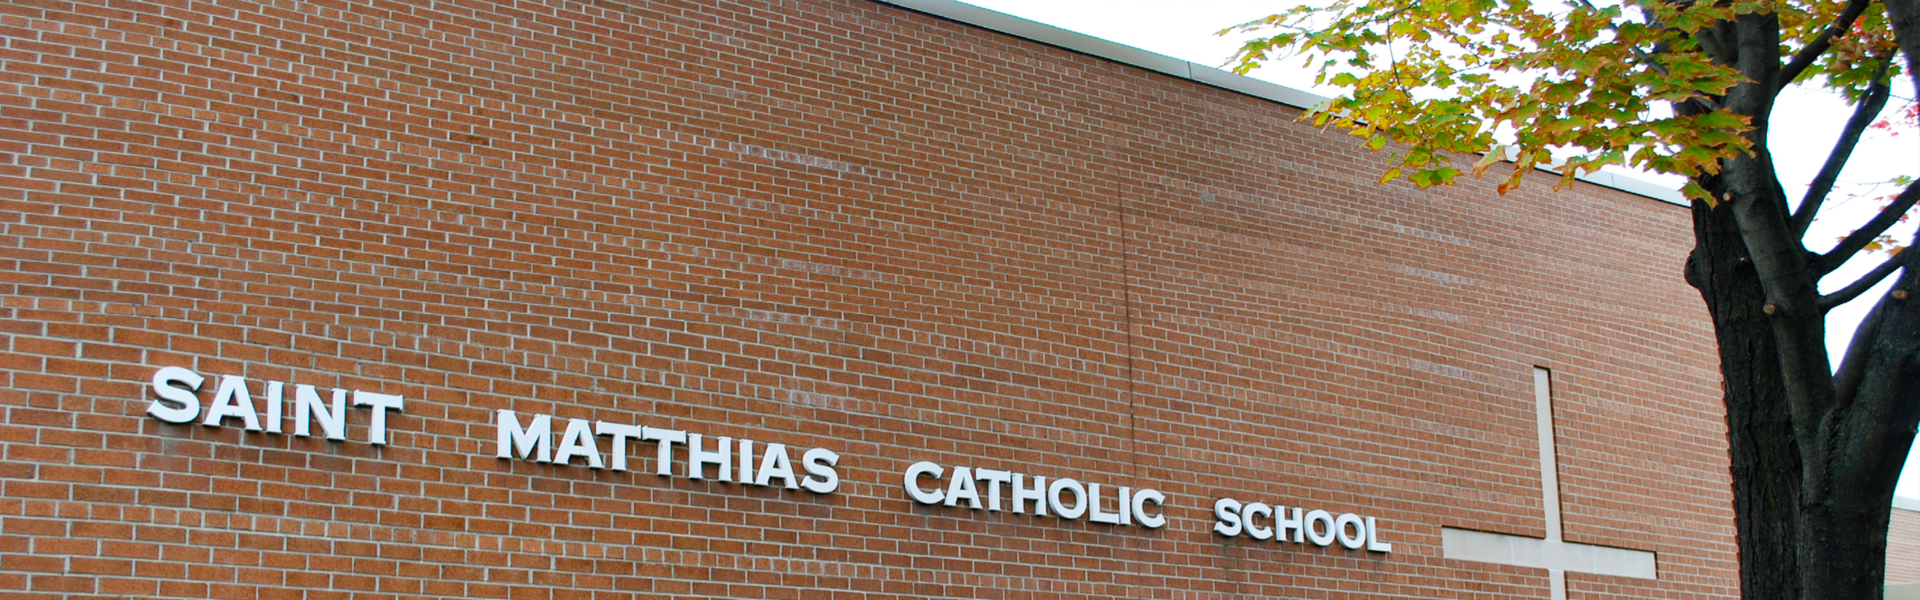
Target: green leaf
x=1693, y=191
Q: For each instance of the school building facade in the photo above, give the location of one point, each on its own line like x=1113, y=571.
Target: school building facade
x=842, y=299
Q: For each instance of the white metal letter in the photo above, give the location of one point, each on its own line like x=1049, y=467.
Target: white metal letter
x=381, y=403
x=1060, y=509
x=666, y=438
x=233, y=400
x=1226, y=517
x=1359, y=531
x=1093, y=507
x=536, y=439
x=1139, y=506
x=1373, y=538
x=994, y=478
x=617, y=450
x=578, y=440
x=276, y=400
x=776, y=464
x=1036, y=495
x=821, y=478
x=1257, y=508
x=698, y=457
x=307, y=408
x=176, y=385
x=1323, y=537
x=960, y=486
x=746, y=462
x=913, y=482
x=1282, y=523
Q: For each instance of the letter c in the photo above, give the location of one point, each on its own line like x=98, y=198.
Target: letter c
x=1258, y=508
x=1140, y=500
x=913, y=482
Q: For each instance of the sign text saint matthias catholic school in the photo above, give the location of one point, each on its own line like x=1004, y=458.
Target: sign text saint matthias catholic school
x=176, y=400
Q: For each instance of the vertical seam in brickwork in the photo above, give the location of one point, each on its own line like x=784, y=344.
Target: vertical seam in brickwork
x=1126, y=307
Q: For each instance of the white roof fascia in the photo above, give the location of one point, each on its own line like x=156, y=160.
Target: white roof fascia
x=1048, y=34
x=1905, y=503
x=1121, y=53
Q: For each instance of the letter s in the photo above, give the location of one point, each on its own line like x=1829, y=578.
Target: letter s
x=165, y=385
x=1227, y=511
x=821, y=478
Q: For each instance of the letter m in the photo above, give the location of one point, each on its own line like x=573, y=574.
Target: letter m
x=536, y=439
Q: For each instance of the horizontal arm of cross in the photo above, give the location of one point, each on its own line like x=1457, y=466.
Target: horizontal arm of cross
x=1503, y=549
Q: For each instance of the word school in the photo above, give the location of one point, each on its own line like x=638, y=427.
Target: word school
x=176, y=400
x=1233, y=518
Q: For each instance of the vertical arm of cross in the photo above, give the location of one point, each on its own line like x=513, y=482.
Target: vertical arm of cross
x=1549, y=469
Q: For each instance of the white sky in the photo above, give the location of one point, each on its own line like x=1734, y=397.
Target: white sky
x=1805, y=122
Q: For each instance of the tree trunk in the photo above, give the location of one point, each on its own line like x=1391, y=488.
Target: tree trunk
x=1811, y=523
x=1766, y=464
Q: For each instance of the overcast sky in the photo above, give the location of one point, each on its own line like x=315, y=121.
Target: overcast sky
x=1806, y=121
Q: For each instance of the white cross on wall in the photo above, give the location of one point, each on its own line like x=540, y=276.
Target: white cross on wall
x=1553, y=554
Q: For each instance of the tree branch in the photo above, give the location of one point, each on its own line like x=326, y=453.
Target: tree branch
x=1780, y=263
x=1881, y=383
x=1864, y=283
x=1904, y=17
x=1841, y=24
x=1637, y=52
x=1863, y=114
x=1869, y=232
x=1853, y=363
x=1711, y=43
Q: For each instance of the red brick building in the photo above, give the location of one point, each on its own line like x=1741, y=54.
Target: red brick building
x=1903, y=547
x=375, y=299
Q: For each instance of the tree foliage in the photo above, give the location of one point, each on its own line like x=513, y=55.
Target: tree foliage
x=1578, y=85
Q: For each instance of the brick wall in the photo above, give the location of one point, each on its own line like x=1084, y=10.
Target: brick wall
x=1903, y=547
x=823, y=223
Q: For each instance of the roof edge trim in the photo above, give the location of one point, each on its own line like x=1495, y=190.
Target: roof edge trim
x=1198, y=73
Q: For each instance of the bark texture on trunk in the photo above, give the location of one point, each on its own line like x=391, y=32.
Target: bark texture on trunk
x=1766, y=465
x=1813, y=490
